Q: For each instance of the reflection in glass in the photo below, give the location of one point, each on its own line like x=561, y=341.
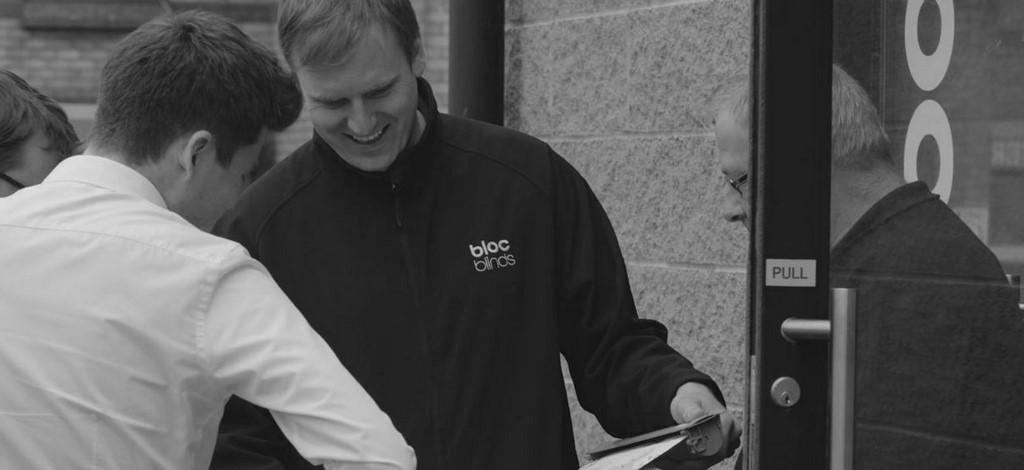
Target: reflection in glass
x=940, y=344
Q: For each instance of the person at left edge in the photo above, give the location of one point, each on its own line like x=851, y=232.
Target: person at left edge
x=35, y=134
x=449, y=263
x=125, y=328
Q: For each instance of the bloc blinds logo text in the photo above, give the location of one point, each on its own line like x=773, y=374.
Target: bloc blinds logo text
x=489, y=256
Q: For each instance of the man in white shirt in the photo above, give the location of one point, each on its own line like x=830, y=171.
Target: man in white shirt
x=125, y=327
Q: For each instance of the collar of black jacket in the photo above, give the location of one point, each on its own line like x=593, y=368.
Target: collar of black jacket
x=896, y=202
x=412, y=163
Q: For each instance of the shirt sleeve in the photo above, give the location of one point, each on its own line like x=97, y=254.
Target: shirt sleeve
x=625, y=372
x=259, y=347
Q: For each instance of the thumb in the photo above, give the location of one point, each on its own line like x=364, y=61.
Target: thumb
x=692, y=409
x=686, y=408
x=692, y=401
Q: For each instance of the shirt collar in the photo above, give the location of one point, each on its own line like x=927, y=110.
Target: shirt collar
x=106, y=173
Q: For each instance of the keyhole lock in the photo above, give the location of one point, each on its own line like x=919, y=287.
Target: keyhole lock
x=785, y=392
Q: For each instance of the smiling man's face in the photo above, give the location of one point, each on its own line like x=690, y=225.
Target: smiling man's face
x=365, y=106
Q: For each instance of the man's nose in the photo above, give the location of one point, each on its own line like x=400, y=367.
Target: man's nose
x=734, y=216
x=361, y=122
x=732, y=209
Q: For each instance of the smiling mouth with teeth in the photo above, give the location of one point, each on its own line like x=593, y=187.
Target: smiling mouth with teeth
x=372, y=139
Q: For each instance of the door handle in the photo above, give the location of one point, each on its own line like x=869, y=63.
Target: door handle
x=841, y=330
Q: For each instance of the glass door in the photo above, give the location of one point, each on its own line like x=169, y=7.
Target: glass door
x=928, y=230
x=900, y=175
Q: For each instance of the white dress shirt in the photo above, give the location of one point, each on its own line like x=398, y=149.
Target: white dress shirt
x=124, y=330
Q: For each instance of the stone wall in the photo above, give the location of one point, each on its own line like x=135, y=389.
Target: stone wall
x=619, y=89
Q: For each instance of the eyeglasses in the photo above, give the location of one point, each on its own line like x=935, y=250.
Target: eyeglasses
x=738, y=183
x=11, y=181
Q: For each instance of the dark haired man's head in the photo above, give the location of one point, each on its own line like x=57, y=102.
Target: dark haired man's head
x=35, y=134
x=187, y=99
x=188, y=72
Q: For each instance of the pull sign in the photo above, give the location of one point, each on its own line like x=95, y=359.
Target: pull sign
x=790, y=272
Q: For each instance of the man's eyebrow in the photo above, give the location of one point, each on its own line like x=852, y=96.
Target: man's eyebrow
x=324, y=99
x=332, y=99
x=385, y=84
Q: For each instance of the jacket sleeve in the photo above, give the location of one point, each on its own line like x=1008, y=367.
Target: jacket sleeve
x=249, y=439
x=624, y=370
x=258, y=346
x=250, y=436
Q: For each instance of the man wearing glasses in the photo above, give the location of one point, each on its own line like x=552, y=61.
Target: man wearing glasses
x=939, y=349
x=35, y=134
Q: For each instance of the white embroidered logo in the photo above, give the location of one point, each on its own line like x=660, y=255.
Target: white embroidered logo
x=492, y=255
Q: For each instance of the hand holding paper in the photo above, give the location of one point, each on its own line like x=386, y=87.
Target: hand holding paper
x=698, y=441
x=694, y=400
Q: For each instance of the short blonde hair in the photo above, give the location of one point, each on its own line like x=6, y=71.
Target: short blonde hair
x=859, y=141
x=315, y=33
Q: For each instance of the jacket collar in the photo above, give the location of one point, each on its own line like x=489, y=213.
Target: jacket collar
x=896, y=202
x=412, y=162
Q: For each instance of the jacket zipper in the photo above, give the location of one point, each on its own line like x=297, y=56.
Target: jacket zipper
x=403, y=235
x=398, y=216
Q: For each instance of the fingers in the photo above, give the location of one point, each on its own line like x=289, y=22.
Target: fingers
x=694, y=400
x=729, y=426
x=732, y=433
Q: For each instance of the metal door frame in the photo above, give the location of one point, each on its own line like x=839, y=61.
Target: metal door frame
x=790, y=169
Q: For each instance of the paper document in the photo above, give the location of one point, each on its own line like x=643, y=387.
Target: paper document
x=694, y=440
x=634, y=458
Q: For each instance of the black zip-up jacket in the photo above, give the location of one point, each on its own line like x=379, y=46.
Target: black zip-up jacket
x=449, y=285
x=940, y=357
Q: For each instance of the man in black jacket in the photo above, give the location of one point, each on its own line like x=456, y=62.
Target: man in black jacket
x=940, y=344
x=448, y=263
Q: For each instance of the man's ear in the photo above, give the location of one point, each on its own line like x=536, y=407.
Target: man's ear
x=419, y=60
x=198, y=148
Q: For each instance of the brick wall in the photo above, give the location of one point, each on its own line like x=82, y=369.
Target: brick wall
x=62, y=55
x=433, y=17
x=618, y=89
